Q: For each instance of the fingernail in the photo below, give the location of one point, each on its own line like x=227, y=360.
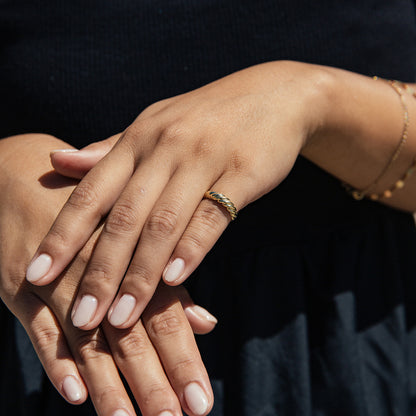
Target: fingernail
x=120, y=412
x=166, y=413
x=202, y=313
x=71, y=389
x=174, y=270
x=196, y=399
x=122, y=310
x=39, y=267
x=64, y=151
x=84, y=311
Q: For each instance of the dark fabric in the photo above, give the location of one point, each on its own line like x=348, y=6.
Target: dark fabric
x=316, y=300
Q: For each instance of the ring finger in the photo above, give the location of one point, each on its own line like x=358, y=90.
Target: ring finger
x=208, y=222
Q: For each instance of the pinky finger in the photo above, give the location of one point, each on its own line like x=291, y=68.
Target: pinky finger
x=201, y=321
x=51, y=347
x=206, y=226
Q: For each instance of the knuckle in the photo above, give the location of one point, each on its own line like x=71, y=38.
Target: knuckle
x=162, y=223
x=132, y=346
x=192, y=243
x=158, y=393
x=238, y=163
x=84, y=195
x=141, y=273
x=129, y=144
x=90, y=346
x=98, y=271
x=140, y=127
x=206, y=222
x=181, y=367
x=202, y=148
x=122, y=219
x=164, y=323
x=56, y=241
x=106, y=395
x=44, y=337
x=208, y=217
x=172, y=134
x=133, y=137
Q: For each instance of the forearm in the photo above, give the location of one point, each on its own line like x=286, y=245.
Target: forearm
x=361, y=128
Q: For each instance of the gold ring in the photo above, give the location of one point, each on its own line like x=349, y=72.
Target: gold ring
x=224, y=201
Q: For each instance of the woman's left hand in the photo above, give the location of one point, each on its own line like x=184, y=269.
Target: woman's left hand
x=238, y=136
x=157, y=356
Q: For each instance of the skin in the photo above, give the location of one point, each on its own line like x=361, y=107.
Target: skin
x=31, y=197
x=239, y=136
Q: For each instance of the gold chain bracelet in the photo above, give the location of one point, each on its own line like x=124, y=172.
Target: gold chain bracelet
x=388, y=193
x=360, y=194
x=410, y=90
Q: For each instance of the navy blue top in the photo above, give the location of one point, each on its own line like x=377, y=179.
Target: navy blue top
x=316, y=300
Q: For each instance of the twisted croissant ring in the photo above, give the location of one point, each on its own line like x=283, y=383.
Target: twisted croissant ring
x=224, y=201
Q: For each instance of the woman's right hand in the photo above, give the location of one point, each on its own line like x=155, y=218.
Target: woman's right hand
x=78, y=362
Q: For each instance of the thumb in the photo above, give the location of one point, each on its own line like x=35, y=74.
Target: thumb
x=76, y=163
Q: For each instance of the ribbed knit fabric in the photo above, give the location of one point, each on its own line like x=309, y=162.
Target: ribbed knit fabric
x=316, y=301
x=65, y=63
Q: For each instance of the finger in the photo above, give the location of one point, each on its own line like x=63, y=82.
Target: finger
x=115, y=247
x=163, y=228
x=209, y=221
x=50, y=345
x=90, y=350
x=172, y=336
x=96, y=365
x=81, y=214
x=201, y=321
x=76, y=163
x=137, y=359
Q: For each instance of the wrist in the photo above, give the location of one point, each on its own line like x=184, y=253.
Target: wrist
x=319, y=108
x=314, y=88
x=361, y=129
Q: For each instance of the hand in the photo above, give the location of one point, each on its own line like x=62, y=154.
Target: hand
x=238, y=136
x=75, y=164
x=78, y=361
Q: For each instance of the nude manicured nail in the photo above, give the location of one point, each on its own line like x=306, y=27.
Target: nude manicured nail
x=85, y=311
x=196, y=399
x=120, y=412
x=174, y=270
x=166, y=413
x=39, y=268
x=201, y=313
x=72, y=389
x=122, y=311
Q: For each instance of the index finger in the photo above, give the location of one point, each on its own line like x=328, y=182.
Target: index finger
x=81, y=214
